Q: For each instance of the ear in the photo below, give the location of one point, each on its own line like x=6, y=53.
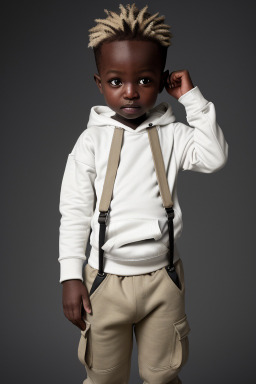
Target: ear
x=98, y=81
x=163, y=80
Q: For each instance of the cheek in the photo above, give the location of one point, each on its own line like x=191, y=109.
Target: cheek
x=111, y=95
x=150, y=97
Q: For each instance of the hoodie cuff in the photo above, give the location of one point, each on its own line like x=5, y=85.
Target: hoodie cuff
x=193, y=101
x=71, y=268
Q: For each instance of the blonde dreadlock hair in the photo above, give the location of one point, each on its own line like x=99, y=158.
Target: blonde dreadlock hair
x=132, y=20
x=130, y=24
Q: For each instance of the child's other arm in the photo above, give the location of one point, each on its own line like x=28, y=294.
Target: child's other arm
x=201, y=146
x=77, y=202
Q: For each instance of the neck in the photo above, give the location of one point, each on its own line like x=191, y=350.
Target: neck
x=132, y=123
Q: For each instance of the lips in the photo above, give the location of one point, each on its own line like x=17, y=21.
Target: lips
x=131, y=106
x=131, y=109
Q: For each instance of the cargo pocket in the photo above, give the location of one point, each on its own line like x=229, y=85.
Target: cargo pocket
x=84, y=352
x=180, y=347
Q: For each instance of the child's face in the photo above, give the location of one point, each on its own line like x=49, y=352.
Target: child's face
x=130, y=73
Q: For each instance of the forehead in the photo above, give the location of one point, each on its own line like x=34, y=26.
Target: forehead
x=130, y=54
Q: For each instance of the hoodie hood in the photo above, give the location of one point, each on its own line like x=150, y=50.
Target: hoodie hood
x=162, y=114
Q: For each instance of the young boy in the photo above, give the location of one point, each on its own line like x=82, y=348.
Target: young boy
x=137, y=292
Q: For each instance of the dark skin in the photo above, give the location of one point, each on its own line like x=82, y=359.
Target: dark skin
x=136, y=78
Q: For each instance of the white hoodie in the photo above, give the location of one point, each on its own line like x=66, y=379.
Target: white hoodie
x=136, y=239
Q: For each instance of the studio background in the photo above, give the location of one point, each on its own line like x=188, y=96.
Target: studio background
x=47, y=91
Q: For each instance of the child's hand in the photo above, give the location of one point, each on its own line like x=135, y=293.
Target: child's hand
x=178, y=83
x=74, y=298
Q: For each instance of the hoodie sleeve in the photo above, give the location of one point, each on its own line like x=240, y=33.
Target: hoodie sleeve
x=201, y=146
x=77, y=204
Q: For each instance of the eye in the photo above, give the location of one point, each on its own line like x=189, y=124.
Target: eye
x=114, y=80
x=146, y=79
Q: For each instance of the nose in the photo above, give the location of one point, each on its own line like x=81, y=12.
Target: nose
x=131, y=91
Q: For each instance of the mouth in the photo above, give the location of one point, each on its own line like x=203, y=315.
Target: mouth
x=131, y=108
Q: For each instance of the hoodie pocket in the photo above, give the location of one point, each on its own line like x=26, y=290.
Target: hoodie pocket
x=131, y=238
x=130, y=231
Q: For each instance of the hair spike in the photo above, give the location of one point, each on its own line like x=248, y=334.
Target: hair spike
x=131, y=22
x=123, y=10
x=141, y=14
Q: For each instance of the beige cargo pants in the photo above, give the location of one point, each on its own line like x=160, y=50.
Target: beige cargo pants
x=154, y=306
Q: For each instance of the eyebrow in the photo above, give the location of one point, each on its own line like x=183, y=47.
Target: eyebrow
x=116, y=71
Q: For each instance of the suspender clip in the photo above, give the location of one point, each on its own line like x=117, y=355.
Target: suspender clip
x=170, y=212
x=103, y=216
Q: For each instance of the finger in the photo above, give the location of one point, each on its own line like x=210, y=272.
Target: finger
x=77, y=319
x=86, y=301
x=174, y=84
x=87, y=305
x=177, y=75
x=80, y=323
x=168, y=87
x=176, y=78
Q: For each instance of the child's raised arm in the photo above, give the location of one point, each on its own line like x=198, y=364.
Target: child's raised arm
x=201, y=146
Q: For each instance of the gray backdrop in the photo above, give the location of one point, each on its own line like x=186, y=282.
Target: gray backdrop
x=47, y=92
